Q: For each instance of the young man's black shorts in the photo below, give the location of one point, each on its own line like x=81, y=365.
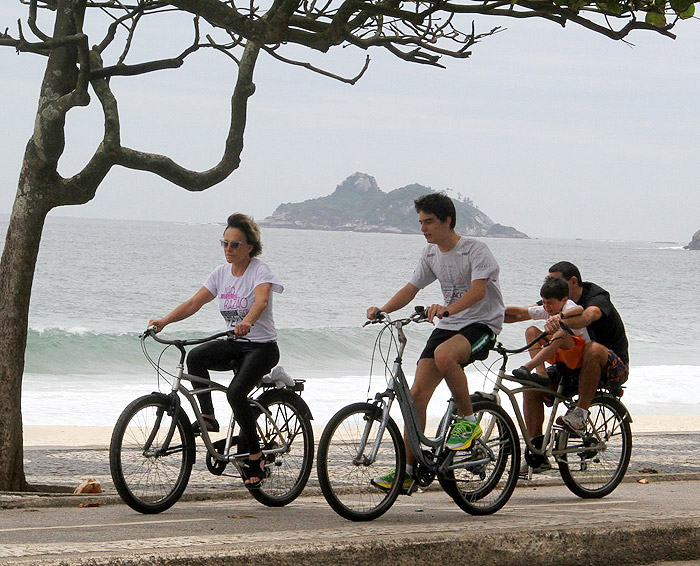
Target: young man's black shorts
x=480, y=337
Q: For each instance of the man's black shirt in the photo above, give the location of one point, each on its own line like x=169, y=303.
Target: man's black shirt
x=608, y=330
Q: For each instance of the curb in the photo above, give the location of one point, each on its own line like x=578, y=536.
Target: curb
x=677, y=540
x=26, y=500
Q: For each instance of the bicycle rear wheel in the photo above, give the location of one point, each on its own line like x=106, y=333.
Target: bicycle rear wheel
x=344, y=471
x=600, y=459
x=149, y=467
x=287, y=472
x=490, y=471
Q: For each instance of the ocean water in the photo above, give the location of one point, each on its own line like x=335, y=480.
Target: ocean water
x=99, y=281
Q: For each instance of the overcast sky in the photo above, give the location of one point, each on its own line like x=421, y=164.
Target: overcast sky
x=558, y=132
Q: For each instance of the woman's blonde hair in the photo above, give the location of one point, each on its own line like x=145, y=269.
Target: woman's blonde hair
x=250, y=229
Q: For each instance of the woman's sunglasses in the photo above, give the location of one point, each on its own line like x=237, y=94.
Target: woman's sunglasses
x=233, y=245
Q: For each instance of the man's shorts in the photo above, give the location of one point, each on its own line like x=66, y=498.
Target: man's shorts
x=480, y=337
x=617, y=371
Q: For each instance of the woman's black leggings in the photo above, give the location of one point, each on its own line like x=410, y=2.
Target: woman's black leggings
x=250, y=361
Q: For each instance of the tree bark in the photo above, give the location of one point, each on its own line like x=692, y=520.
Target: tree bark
x=38, y=191
x=17, y=268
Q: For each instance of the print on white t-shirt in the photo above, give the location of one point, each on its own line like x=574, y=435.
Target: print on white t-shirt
x=237, y=294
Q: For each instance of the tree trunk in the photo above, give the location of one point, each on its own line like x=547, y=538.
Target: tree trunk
x=17, y=268
x=38, y=191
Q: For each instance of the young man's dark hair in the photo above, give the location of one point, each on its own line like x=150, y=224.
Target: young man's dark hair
x=438, y=204
x=554, y=288
x=567, y=270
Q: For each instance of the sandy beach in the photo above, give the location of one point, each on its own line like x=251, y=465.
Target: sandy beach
x=60, y=435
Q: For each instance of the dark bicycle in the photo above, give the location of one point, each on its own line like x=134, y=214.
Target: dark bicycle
x=362, y=441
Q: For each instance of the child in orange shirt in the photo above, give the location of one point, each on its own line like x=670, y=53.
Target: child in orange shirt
x=563, y=347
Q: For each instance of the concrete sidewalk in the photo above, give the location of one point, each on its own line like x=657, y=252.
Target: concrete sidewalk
x=671, y=456
x=217, y=522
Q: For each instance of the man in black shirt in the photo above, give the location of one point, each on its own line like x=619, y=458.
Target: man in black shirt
x=606, y=357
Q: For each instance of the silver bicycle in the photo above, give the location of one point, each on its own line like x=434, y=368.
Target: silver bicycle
x=591, y=466
x=152, y=449
x=362, y=441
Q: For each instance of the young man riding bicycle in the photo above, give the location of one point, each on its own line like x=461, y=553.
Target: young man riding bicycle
x=468, y=321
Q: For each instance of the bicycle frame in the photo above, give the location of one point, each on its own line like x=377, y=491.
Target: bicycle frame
x=398, y=388
x=547, y=446
x=177, y=388
x=559, y=398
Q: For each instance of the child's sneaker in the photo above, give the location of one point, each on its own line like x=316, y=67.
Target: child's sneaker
x=574, y=421
x=387, y=480
x=463, y=433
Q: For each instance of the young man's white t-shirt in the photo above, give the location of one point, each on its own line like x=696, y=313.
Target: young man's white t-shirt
x=468, y=261
x=237, y=294
x=537, y=312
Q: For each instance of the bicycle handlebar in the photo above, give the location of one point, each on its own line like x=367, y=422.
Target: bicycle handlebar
x=151, y=331
x=417, y=316
x=565, y=327
x=500, y=347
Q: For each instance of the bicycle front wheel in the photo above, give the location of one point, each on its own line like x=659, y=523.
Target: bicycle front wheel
x=490, y=466
x=345, y=470
x=289, y=424
x=593, y=466
x=151, y=454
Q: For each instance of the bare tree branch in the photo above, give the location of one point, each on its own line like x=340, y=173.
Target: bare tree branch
x=143, y=68
x=32, y=21
x=130, y=36
x=79, y=96
x=166, y=168
x=41, y=47
x=81, y=188
x=310, y=67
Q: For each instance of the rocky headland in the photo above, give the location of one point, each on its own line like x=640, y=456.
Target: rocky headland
x=694, y=243
x=359, y=205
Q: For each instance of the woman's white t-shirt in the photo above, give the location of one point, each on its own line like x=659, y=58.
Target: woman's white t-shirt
x=237, y=294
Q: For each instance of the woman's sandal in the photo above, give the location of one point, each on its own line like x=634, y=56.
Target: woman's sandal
x=211, y=424
x=253, y=472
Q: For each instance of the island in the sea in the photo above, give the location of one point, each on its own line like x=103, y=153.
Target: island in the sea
x=694, y=243
x=359, y=205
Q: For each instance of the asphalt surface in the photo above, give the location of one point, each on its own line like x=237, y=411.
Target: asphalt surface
x=653, y=517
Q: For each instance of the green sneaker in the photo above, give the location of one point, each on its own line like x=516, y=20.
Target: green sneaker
x=463, y=433
x=387, y=480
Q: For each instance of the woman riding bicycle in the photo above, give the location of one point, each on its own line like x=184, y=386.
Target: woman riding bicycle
x=244, y=286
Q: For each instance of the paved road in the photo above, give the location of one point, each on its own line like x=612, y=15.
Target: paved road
x=637, y=524
x=218, y=523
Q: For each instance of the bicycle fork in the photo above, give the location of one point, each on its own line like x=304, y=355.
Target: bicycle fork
x=172, y=410
x=361, y=459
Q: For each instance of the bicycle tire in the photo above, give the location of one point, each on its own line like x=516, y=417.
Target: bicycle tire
x=593, y=473
x=151, y=482
x=288, y=472
x=345, y=483
x=484, y=489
